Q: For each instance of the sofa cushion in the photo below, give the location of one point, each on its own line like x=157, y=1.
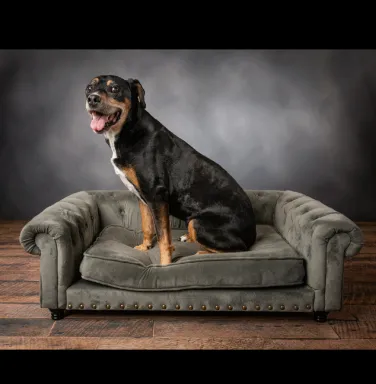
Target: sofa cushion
x=113, y=261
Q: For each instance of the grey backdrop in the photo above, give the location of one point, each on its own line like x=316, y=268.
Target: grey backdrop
x=302, y=120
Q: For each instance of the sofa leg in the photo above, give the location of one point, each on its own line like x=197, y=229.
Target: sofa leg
x=320, y=316
x=57, y=314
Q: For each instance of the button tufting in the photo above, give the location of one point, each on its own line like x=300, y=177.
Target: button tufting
x=190, y=307
x=203, y=308
x=257, y=307
x=70, y=306
x=150, y=306
x=177, y=306
x=230, y=307
x=270, y=307
x=296, y=307
x=164, y=306
x=81, y=306
x=94, y=306
x=217, y=307
x=282, y=307
x=244, y=308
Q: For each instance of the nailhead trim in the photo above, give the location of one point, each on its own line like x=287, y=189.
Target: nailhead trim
x=190, y=307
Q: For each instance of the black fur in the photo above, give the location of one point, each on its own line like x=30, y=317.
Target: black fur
x=169, y=170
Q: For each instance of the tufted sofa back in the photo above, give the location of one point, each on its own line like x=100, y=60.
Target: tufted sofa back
x=121, y=208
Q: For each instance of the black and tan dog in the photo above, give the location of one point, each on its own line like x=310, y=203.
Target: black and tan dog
x=168, y=175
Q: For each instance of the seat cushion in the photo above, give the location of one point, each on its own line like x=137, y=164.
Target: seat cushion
x=113, y=261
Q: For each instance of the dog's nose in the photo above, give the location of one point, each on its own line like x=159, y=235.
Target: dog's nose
x=93, y=100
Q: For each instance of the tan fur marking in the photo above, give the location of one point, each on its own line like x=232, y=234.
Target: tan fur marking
x=94, y=81
x=165, y=241
x=192, y=232
x=125, y=107
x=109, y=82
x=130, y=174
x=148, y=229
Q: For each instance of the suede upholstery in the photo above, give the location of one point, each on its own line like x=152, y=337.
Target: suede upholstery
x=113, y=261
x=295, y=233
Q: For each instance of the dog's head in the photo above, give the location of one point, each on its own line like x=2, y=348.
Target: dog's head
x=110, y=99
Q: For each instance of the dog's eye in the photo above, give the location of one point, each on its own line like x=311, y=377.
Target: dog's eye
x=114, y=89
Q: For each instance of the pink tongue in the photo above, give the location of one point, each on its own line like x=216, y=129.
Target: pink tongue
x=98, y=122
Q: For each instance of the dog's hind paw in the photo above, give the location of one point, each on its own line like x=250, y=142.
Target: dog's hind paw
x=184, y=238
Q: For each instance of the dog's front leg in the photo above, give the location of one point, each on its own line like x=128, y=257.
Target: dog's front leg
x=162, y=225
x=147, y=225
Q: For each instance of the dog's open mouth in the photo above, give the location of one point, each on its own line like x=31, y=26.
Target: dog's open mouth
x=101, y=122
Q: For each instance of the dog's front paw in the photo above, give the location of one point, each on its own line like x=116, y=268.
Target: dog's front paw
x=184, y=238
x=143, y=247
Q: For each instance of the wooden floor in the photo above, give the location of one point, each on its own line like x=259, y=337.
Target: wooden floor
x=24, y=325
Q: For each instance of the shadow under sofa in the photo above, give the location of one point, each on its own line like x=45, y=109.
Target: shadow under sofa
x=88, y=261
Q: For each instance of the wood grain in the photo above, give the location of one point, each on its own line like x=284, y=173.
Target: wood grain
x=17, y=263
x=186, y=343
x=25, y=327
x=41, y=343
x=19, y=276
x=356, y=329
x=23, y=311
x=271, y=328
x=103, y=328
x=363, y=312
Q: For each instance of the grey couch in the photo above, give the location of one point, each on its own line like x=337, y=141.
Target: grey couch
x=88, y=261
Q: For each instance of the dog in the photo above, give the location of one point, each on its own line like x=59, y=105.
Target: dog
x=168, y=176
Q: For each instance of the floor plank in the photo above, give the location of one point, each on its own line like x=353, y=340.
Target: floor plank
x=159, y=343
x=25, y=327
x=19, y=276
x=271, y=328
x=42, y=343
x=19, y=288
x=355, y=329
x=359, y=293
x=24, y=311
x=16, y=263
x=103, y=328
x=363, y=312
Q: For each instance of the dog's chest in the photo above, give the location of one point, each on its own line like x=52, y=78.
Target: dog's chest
x=121, y=174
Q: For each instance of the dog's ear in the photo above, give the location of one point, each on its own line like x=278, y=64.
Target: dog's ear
x=139, y=90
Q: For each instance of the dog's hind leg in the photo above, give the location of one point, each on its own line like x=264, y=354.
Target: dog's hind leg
x=215, y=235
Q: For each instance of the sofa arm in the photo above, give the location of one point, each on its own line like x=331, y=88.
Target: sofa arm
x=60, y=234
x=324, y=238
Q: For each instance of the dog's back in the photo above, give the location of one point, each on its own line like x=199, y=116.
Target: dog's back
x=200, y=189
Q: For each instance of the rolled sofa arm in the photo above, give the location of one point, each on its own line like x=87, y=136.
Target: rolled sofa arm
x=60, y=234
x=324, y=238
